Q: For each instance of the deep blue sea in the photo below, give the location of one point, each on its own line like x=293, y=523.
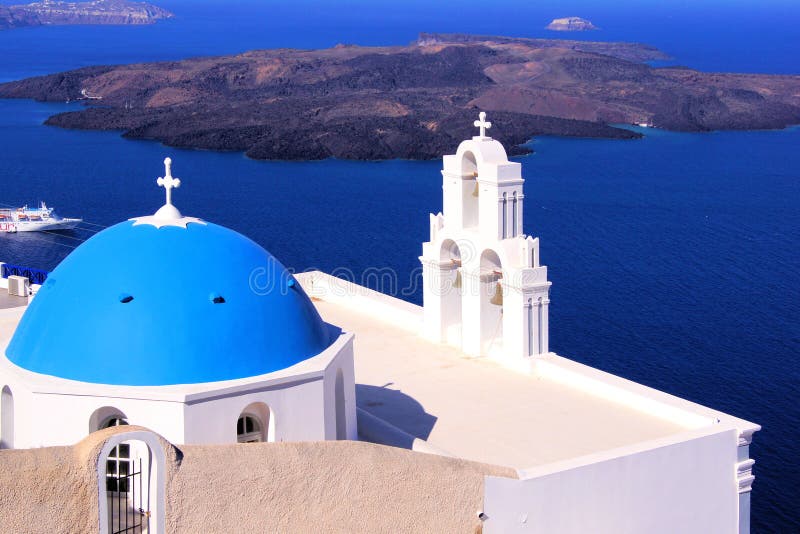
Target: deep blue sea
x=674, y=258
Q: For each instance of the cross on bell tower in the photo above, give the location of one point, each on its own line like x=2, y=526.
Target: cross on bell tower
x=483, y=124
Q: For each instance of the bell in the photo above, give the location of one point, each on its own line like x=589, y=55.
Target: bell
x=457, y=281
x=475, y=192
x=497, y=299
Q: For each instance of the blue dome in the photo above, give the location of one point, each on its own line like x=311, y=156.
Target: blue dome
x=146, y=306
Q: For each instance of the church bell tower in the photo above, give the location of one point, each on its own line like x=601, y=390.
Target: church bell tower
x=484, y=290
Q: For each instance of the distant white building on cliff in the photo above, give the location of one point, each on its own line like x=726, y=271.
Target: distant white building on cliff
x=198, y=334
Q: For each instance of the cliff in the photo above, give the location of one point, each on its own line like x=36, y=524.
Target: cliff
x=96, y=12
x=571, y=24
x=413, y=102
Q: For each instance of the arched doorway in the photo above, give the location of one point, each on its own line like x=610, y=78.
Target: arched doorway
x=452, y=286
x=470, y=191
x=255, y=424
x=6, y=419
x=136, y=504
x=491, y=302
x=126, y=477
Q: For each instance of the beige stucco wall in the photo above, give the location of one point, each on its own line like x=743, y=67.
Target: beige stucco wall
x=44, y=490
x=335, y=486
x=52, y=489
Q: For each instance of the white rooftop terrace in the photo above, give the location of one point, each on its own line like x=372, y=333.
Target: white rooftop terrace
x=10, y=301
x=553, y=410
x=442, y=401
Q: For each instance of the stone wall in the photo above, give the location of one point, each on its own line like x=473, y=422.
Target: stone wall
x=334, y=486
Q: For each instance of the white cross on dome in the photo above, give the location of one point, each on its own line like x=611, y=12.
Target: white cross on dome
x=167, y=215
x=168, y=182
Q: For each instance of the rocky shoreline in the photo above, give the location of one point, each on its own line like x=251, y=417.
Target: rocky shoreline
x=412, y=102
x=55, y=13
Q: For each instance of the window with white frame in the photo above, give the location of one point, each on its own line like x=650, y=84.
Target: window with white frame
x=118, y=462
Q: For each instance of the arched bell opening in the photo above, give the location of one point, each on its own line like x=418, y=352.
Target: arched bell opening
x=452, y=288
x=470, y=191
x=491, y=302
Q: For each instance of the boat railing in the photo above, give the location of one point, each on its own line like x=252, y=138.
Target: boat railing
x=35, y=276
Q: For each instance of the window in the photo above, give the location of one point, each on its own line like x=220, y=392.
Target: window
x=118, y=462
x=248, y=429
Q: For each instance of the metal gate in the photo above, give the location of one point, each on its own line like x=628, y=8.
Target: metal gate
x=127, y=513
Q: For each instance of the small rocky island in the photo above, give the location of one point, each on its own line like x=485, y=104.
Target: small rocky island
x=52, y=13
x=413, y=102
x=571, y=24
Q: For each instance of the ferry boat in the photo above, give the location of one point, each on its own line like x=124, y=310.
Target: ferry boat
x=39, y=219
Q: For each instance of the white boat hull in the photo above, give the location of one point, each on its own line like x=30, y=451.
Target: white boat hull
x=41, y=219
x=40, y=226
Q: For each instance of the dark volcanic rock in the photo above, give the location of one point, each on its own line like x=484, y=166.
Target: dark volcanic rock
x=408, y=102
x=55, y=87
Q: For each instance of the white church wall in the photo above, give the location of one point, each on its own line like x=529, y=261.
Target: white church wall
x=24, y=418
x=15, y=425
x=451, y=180
x=472, y=334
x=45, y=419
x=501, y=209
x=49, y=411
x=340, y=397
x=684, y=484
x=297, y=412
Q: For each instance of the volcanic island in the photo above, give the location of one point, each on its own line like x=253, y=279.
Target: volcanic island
x=412, y=102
